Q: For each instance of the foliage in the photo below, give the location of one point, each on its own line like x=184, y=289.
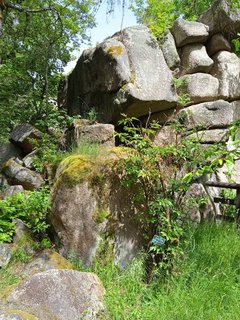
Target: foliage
x=31, y=207
x=36, y=42
x=180, y=87
x=226, y=209
x=236, y=44
x=161, y=176
x=158, y=15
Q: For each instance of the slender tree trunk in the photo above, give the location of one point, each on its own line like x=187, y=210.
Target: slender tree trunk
x=1, y=15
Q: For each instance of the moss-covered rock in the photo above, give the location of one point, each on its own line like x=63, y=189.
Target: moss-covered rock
x=89, y=205
x=56, y=295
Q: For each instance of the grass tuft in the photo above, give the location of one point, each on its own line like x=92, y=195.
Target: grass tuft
x=205, y=284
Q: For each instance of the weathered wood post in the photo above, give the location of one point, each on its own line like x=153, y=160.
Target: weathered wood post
x=227, y=185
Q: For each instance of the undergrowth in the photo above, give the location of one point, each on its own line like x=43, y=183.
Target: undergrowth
x=204, y=285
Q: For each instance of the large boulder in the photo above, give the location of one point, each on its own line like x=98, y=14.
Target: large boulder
x=24, y=135
x=57, y=294
x=194, y=58
x=84, y=131
x=92, y=213
x=170, y=51
x=210, y=136
x=42, y=261
x=186, y=32
x=217, y=43
x=8, y=151
x=222, y=17
x=19, y=175
x=201, y=87
x=227, y=69
x=209, y=115
x=124, y=74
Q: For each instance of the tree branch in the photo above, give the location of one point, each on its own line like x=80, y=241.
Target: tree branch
x=21, y=9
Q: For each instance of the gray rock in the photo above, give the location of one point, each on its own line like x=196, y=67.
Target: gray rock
x=186, y=32
x=16, y=174
x=3, y=181
x=5, y=255
x=69, y=213
x=23, y=135
x=217, y=43
x=17, y=315
x=227, y=69
x=21, y=230
x=170, y=51
x=99, y=133
x=201, y=87
x=47, y=259
x=194, y=58
x=236, y=109
x=8, y=192
x=166, y=136
x=8, y=151
x=58, y=294
x=91, y=209
x=217, y=114
x=210, y=136
x=124, y=74
x=223, y=18
x=28, y=159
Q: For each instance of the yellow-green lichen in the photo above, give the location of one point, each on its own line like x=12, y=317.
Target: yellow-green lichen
x=115, y=50
x=6, y=164
x=60, y=262
x=5, y=292
x=23, y=314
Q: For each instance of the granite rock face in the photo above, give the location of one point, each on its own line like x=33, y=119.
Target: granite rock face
x=8, y=151
x=58, y=294
x=223, y=18
x=209, y=115
x=170, y=51
x=124, y=74
x=201, y=87
x=186, y=32
x=83, y=131
x=19, y=175
x=217, y=43
x=23, y=136
x=227, y=70
x=92, y=210
x=194, y=58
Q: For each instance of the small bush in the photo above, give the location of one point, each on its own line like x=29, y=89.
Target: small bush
x=30, y=207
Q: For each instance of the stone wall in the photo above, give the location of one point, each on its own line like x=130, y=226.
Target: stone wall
x=133, y=73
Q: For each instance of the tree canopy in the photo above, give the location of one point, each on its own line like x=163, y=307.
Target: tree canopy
x=158, y=15
x=37, y=39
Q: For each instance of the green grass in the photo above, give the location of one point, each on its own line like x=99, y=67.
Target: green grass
x=205, y=285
